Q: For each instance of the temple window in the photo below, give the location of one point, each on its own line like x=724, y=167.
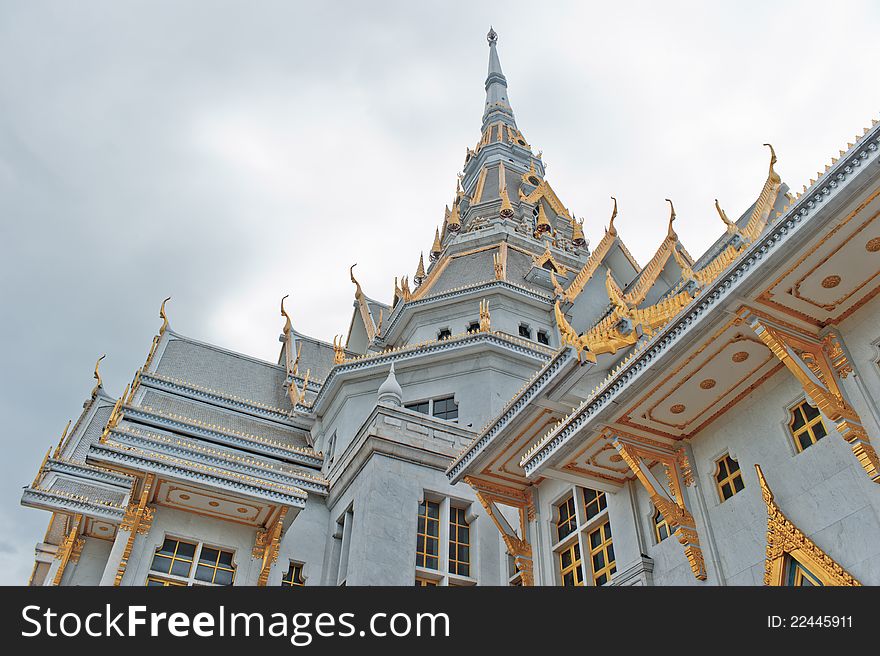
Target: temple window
x=567, y=521
x=662, y=528
x=428, y=535
x=459, y=542
x=544, y=337
x=473, y=327
x=444, y=333
x=570, y=566
x=594, y=502
x=293, y=577
x=175, y=560
x=584, y=549
x=426, y=583
x=525, y=331
x=445, y=408
x=420, y=406
x=443, y=557
x=799, y=576
x=806, y=425
x=728, y=477
x=602, y=554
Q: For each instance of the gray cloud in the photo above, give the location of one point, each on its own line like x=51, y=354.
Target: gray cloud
x=227, y=153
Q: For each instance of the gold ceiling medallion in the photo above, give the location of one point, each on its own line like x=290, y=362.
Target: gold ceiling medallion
x=740, y=356
x=873, y=245
x=677, y=409
x=830, y=282
x=786, y=541
x=707, y=384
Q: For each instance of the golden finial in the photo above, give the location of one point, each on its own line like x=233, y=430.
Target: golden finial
x=485, y=321
x=338, y=351
x=163, y=316
x=436, y=247
x=287, y=323
x=498, y=266
x=61, y=441
x=358, y=292
x=42, y=466
x=577, y=233
x=611, y=227
x=98, y=374
x=420, y=270
x=773, y=174
x=543, y=224
x=454, y=222
x=506, y=211
x=670, y=233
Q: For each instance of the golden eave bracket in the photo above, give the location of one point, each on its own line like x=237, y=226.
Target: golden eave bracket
x=670, y=502
x=817, y=365
x=489, y=494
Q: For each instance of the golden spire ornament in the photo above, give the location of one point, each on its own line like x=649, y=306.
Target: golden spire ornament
x=97, y=374
x=436, y=247
x=454, y=222
x=420, y=271
x=670, y=233
x=577, y=233
x=543, y=224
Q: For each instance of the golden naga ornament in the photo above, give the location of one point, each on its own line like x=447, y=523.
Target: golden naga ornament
x=287, y=322
x=163, y=316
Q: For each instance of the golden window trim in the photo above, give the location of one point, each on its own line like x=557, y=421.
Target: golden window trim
x=729, y=479
x=786, y=539
x=807, y=428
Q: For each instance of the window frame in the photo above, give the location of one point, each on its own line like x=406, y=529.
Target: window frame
x=444, y=575
x=661, y=523
x=294, y=581
x=808, y=427
x=730, y=478
x=580, y=534
x=190, y=580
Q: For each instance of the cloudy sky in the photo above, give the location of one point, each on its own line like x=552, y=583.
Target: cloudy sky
x=227, y=153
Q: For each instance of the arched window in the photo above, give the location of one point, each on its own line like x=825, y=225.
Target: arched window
x=662, y=528
x=806, y=425
x=293, y=577
x=728, y=477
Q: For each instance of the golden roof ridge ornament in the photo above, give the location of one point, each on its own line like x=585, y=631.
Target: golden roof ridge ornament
x=358, y=292
x=287, y=324
x=543, y=224
x=97, y=375
x=773, y=175
x=611, y=227
x=61, y=441
x=577, y=233
x=670, y=232
x=163, y=316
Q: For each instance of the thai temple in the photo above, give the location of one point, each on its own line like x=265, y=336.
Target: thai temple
x=526, y=409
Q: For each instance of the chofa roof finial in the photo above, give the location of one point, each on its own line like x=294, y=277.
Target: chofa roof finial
x=98, y=374
x=287, y=323
x=670, y=233
x=163, y=316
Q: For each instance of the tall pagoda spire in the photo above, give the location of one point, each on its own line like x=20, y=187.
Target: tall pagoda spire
x=497, y=104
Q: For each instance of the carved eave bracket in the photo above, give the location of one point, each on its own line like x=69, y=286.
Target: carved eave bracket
x=669, y=501
x=786, y=539
x=137, y=521
x=817, y=365
x=490, y=494
x=266, y=546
